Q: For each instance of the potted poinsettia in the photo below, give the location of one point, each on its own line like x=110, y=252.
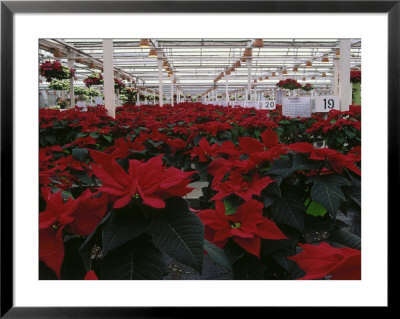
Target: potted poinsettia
x=59, y=85
x=128, y=95
x=94, y=79
x=118, y=85
x=63, y=103
x=54, y=70
x=307, y=87
x=289, y=84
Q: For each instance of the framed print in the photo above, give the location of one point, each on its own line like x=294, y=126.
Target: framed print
x=232, y=130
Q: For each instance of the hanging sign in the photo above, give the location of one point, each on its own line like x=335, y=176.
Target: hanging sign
x=299, y=106
x=325, y=103
x=268, y=105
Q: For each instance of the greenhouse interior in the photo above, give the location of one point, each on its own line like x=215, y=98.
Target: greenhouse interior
x=199, y=159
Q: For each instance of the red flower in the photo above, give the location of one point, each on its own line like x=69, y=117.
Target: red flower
x=229, y=148
x=243, y=188
x=122, y=148
x=321, y=260
x=69, y=162
x=51, y=249
x=88, y=213
x=269, y=150
x=355, y=76
x=82, y=141
x=204, y=151
x=149, y=181
x=335, y=159
x=57, y=215
x=246, y=226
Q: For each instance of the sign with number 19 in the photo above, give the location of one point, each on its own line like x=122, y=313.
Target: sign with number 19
x=326, y=103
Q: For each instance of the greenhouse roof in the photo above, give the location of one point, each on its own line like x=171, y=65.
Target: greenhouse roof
x=196, y=63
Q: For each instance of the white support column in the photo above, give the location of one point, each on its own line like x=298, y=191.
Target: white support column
x=71, y=63
x=172, y=90
x=137, y=97
x=248, y=62
x=160, y=81
x=344, y=75
x=335, y=77
x=226, y=90
x=108, y=74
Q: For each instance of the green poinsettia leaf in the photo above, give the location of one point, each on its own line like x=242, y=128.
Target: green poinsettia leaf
x=217, y=255
x=316, y=209
x=137, y=259
x=179, y=233
x=230, y=208
x=327, y=191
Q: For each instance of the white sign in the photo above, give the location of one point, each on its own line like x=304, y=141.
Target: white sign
x=268, y=105
x=299, y=106
x=325, y=103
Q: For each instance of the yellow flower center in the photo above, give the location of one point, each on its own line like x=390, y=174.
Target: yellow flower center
x=235, y=225
x=136, y=196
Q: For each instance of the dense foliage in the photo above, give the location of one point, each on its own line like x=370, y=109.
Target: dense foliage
x=290, y=84
x=112, y=200
x=54, y=70
x=94, y=79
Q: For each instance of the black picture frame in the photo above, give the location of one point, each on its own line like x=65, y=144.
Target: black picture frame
x=9, y=8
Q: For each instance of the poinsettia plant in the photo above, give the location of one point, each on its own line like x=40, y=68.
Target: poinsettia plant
x=118, y=85
x=59, y=85
x=55, y=70
x=289, y=84
x=355, y=76
x=112, y=200
x=94, y=79
x=307, y=87
x=128, y=95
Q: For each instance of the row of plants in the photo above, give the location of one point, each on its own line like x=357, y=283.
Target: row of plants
x=112, y=200
x=60, y=85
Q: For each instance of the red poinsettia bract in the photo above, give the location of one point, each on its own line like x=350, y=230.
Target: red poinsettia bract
x=322, y=260
x=247, y=226
x=91, y=275
x=335, y=159
x=79, y=217
x=245, y=189
x=149, y=181
x=204, y=151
